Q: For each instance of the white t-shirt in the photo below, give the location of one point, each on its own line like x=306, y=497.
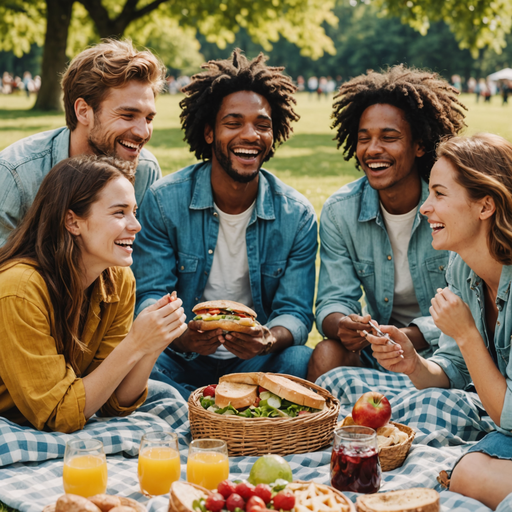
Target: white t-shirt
x=229, y=276
x=405, y=303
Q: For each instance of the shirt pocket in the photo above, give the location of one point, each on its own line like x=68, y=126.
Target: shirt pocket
x=436, y=270
x=365, y=271
x=186, y=263
x=503, y=356
x=271, y=274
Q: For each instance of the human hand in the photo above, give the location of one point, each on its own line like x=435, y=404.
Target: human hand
x=204, y=343
x=350, y=331
x=249, y=345
x=159, y=324
x=452, y=315
x=400, y=357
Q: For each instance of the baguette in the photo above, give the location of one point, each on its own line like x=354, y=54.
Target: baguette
x=418, y=499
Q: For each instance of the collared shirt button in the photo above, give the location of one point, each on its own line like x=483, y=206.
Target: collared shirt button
x=215, y=214
x=196, y=299
x=389, y=257
x=498, y=322
x=182, y=267
x=386, y=299
x=441, y=267
x=205, y=273
x=210, y=251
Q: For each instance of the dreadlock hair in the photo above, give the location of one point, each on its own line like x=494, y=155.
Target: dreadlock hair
x=430, y=105
x=206, y=91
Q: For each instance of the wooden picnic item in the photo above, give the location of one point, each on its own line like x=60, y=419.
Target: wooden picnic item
x=259, y=436
x=343, y=504
x=392, y=457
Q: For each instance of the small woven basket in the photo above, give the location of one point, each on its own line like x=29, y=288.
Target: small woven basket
x=392, y=457
x=259, y=436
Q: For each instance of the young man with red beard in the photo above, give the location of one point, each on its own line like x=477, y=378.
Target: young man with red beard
x=373, y=236
x=109, y=100
x=227, y=229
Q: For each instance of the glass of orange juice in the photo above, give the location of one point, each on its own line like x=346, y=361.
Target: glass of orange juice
x=85, y=468
x=159, y=462
x=207, y=463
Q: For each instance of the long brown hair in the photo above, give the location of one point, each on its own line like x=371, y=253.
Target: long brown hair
x=73, y=184
x=484, y=168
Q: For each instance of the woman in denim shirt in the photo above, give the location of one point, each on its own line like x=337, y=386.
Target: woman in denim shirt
x=470, y=211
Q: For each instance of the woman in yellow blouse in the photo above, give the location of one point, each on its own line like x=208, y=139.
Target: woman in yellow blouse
x=68, y=347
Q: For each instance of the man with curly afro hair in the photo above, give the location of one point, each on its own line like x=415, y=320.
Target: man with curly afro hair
x=225, y=228
x=373, y=237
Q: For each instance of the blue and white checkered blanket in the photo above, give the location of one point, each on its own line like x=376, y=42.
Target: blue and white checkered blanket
x=447, y=422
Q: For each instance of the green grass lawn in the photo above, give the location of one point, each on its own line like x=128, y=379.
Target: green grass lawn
x=309, y=161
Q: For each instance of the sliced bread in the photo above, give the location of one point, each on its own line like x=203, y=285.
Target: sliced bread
x=238, y=395
x=183, y=495
x=242, y=378
x=291, y=391
x=417, y=499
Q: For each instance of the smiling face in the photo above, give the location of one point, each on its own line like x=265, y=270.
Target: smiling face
x=124, y=121
x=455, y=219
x=385, y=148
x=242, y=136
x=106, y=235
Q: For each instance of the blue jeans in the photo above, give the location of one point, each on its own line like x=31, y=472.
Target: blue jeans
x=186, y=376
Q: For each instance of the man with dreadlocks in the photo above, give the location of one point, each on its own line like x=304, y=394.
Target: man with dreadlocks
x=226, y=229
x=373, y=237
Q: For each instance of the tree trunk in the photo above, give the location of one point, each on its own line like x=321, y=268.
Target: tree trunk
x=58, y=18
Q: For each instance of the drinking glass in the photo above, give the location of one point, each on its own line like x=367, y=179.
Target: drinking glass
x=159, y=463
x=85, y=468
x=355, y=464
x=207, y=463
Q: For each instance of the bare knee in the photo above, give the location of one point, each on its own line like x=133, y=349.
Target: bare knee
x=330, y=354
x=465, y=476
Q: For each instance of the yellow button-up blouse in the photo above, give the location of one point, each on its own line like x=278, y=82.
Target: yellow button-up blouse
x=36, y=383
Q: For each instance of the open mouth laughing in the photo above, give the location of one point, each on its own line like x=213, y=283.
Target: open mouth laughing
x=131, y=146
x=378, y=166
x=246, y=153
x=436, y=227
x=125, y=243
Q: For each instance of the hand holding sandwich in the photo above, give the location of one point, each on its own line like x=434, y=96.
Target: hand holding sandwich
x=204, y=343
x=249, y=345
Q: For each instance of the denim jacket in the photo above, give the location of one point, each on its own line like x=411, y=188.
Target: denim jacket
x=174, y=250
x=468, y=286
x=24, y=164
x=355, y=251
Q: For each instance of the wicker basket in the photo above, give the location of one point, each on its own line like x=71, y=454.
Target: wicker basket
x=392, y=457
x=259, y=436
x=349, y=506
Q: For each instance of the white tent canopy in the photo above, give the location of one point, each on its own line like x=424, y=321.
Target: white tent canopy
x=504, y=74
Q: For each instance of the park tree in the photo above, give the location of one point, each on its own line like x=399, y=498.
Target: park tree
x=476, y=24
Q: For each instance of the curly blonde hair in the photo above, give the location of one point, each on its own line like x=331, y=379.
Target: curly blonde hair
x=484, y=168
x=109, y=64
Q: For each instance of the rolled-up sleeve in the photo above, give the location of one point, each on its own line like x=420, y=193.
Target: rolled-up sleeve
x=42, y=386
x=339, y=288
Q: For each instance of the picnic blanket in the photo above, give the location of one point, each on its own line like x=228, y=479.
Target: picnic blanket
x=447, y=422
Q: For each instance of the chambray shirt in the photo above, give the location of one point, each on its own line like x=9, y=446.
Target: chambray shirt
x=355, y=251
x=469, y=287
x=24, y=164
x=174, y=250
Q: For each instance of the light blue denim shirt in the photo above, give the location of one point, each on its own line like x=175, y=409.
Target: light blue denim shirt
x=24, y=164
x=355, y=251
x=174, y=250
x=468, y=286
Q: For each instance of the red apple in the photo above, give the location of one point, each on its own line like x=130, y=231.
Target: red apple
x=372, y=410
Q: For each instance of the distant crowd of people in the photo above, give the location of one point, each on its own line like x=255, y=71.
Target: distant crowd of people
x=10, y=83
x=484, y=88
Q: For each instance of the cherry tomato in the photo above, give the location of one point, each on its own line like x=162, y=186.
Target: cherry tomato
x=215, y=502
x=234, y=501
x=284, y=500
x=261, y=390
x=264, y=492
x=226, y=488
x=245, y=489
x=254, y=504
x=209, y=390
x=257, y=401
